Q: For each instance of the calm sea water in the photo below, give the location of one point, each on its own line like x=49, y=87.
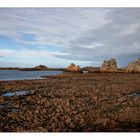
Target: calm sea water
x=22, y=75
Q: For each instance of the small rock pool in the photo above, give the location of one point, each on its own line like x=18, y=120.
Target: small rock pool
x=134, y=94
x=17, y=93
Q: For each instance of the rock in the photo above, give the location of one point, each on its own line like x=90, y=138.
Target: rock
x=109, y=66
x=36, y=111
x=16, y=106
x=1, y=100
x=40, y=67
x=134, y=66
x=73, y=68
x=101, y=121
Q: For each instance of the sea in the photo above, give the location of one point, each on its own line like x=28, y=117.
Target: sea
x=6, y=75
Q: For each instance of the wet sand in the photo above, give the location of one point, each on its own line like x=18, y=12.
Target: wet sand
x=90, y=102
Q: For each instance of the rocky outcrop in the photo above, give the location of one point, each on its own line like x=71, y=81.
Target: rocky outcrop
x=36, y=68
x=109, y=65
x=40, y=67
x=134, y=66
x=73, y=68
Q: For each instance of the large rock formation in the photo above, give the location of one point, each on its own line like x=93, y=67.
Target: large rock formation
x=40, y=67
x=73, y=68
x=109, y=66
x=134, y=66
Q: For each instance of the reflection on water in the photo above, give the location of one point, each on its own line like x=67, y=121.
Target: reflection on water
x=17, y=93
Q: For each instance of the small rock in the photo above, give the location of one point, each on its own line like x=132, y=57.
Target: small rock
x=1, y=100
x=134, y=66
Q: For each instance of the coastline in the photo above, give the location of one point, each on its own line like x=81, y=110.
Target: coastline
x=33, y=69
x=70, y=102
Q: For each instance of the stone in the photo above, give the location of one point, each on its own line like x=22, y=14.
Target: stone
x=109, y=65
x=36, y=111
x=73, y=68
x=1, y=100
x=134, y=66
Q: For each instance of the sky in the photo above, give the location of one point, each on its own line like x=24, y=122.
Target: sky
x=57, y=37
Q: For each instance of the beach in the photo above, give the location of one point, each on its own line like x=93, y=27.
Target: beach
x=72, y=102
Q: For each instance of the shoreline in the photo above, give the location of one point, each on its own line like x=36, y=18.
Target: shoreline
x=34, y=69
x=10, y=75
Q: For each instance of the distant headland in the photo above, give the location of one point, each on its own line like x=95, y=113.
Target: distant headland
x=107, y=66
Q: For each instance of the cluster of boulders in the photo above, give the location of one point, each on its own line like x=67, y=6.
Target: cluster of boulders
x=107, y=66
x=111, y=66
x=95, y=102
x=134, y=66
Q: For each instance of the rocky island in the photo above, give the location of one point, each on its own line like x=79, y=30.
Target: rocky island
x=36, y=68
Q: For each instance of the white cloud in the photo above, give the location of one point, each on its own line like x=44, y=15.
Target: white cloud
x=50, y=26
x=6, y=52
x=31, y=53
x=130, y=29
x=85, y=34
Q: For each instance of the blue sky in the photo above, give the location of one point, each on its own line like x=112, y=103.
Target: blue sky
x=58, y=36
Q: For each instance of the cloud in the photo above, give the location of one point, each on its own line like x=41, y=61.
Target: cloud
x=118, y=38
x=49, y=25
x=31, y=53
x=84, y=34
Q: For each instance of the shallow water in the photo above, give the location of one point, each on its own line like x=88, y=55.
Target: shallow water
x=2, y=106
x=25, y=75
x=134, y=95
x=17, y=93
